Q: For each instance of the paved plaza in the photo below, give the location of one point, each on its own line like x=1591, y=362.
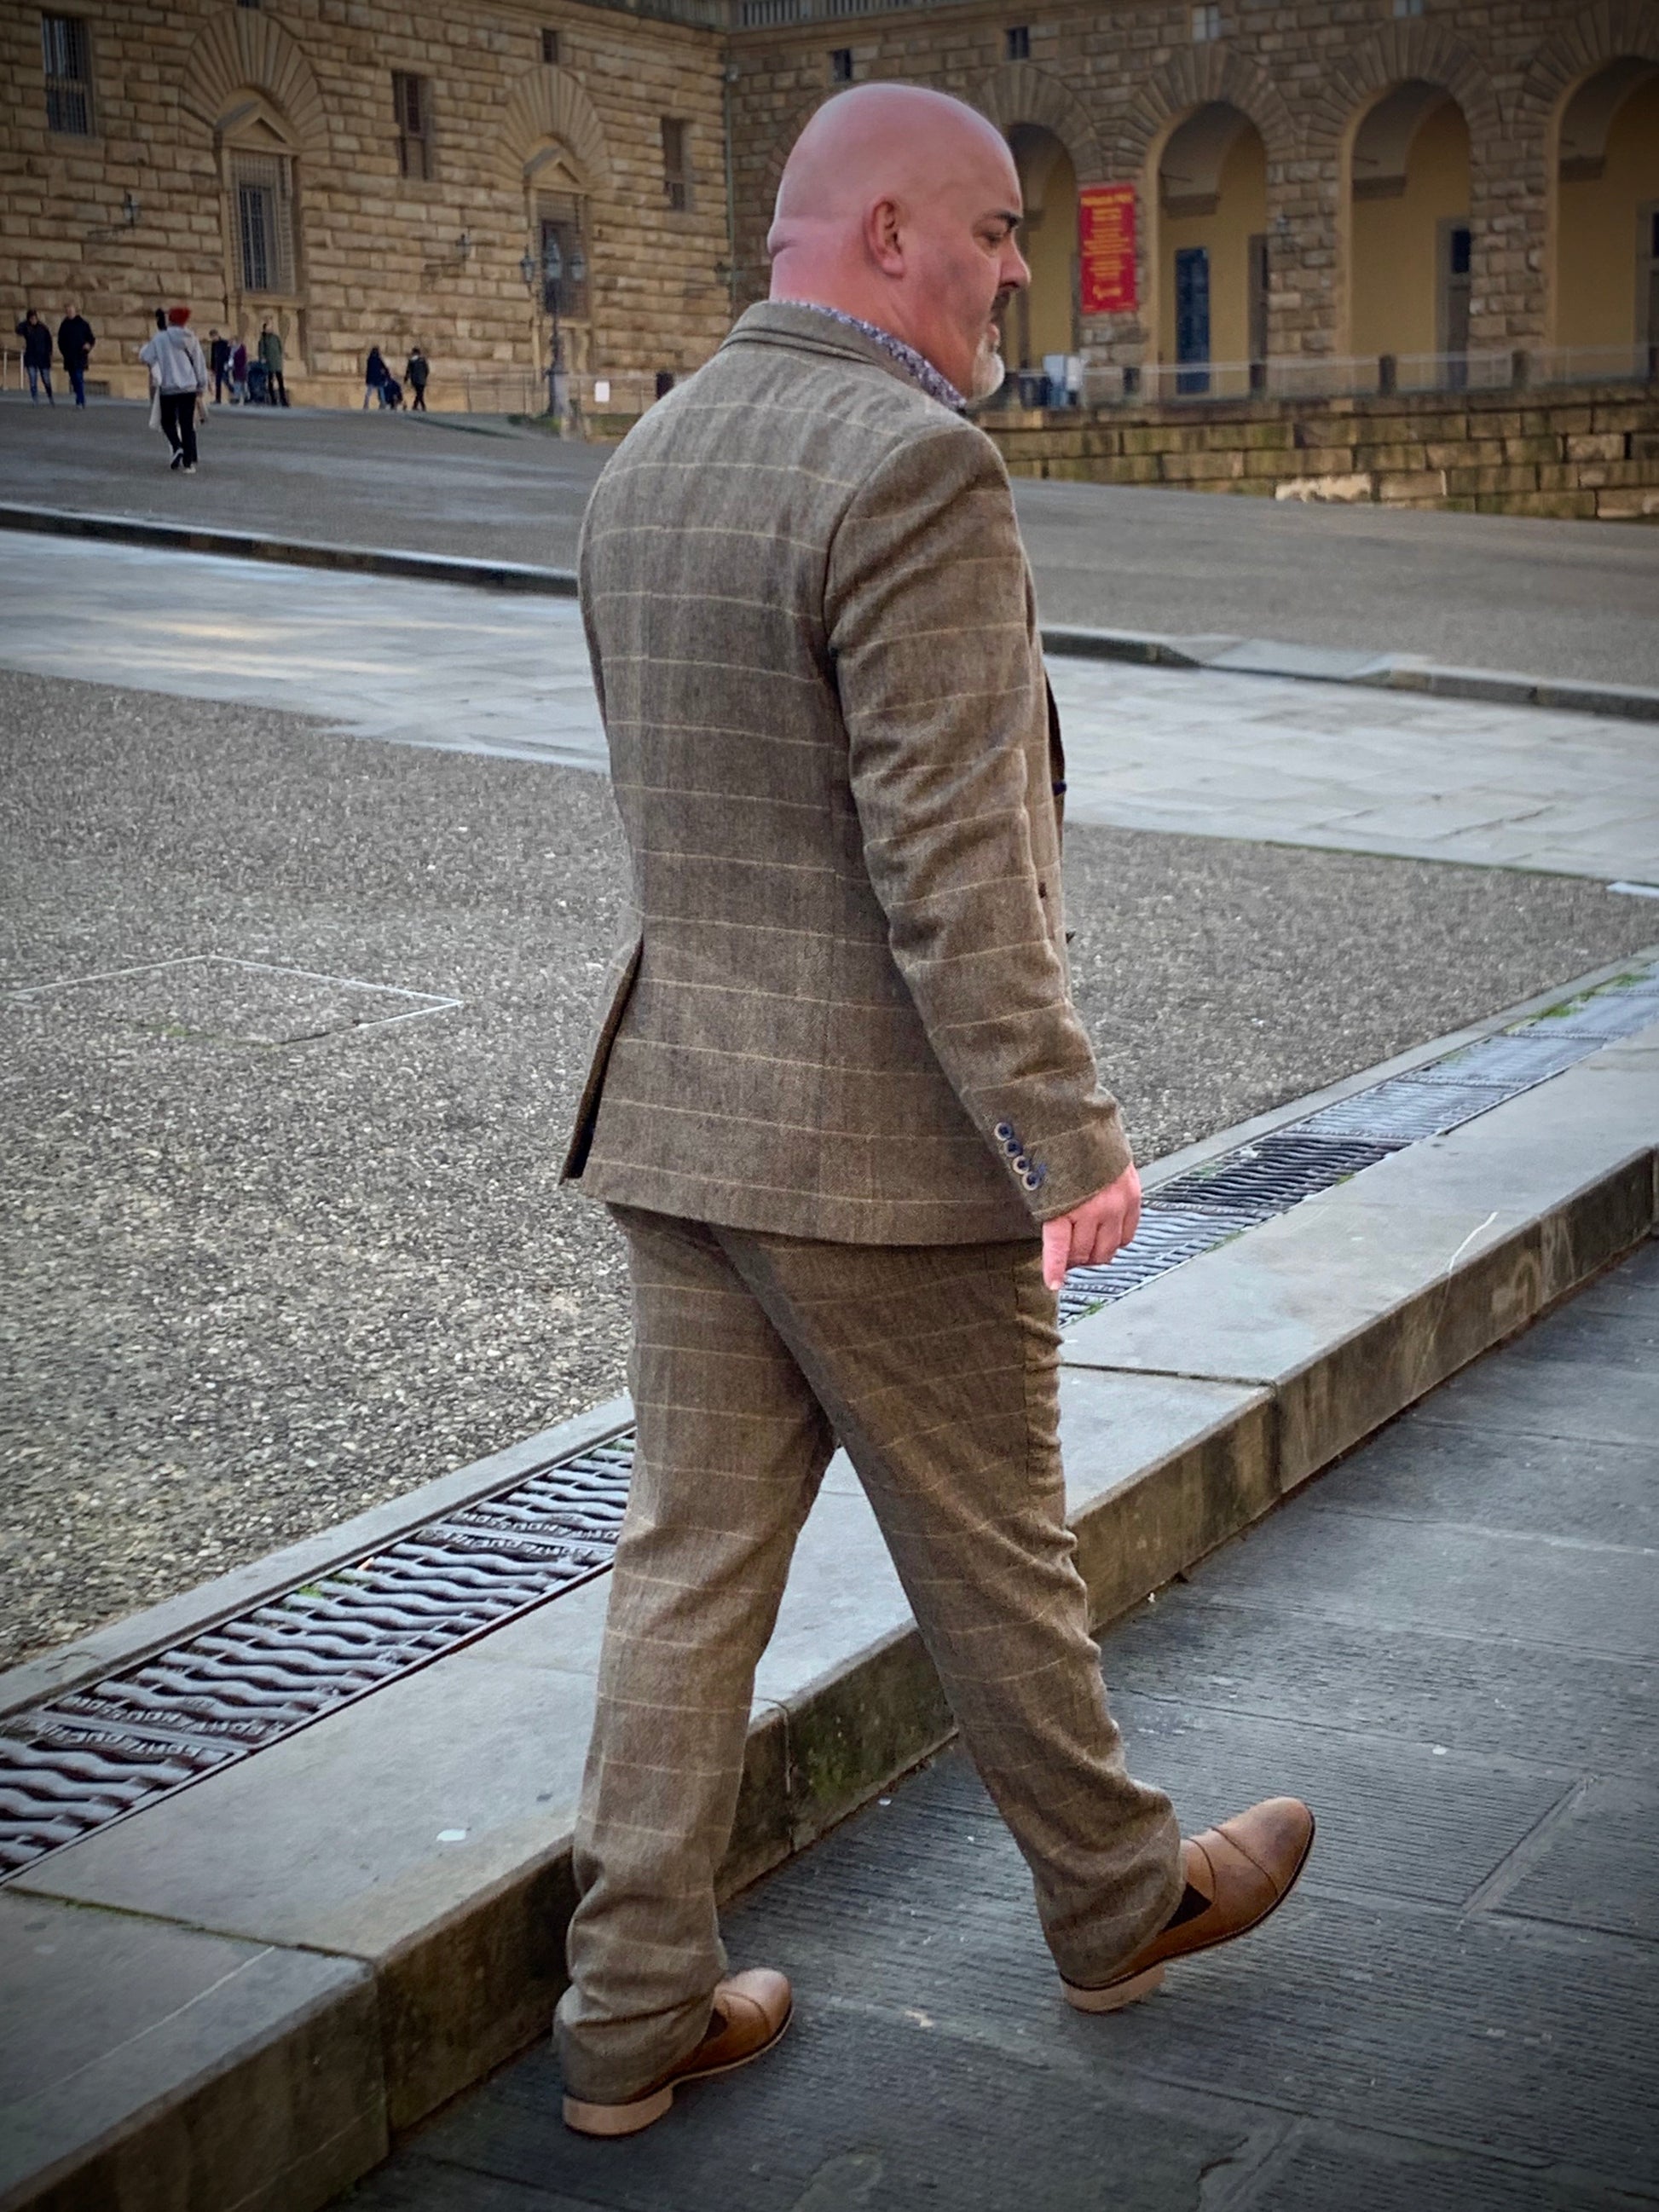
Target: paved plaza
x=1210, y=754
x=1447, y=1645
x=1571, y=600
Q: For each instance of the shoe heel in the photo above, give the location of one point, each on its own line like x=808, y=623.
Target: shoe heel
x=1115, y=1995
x=616, y=2119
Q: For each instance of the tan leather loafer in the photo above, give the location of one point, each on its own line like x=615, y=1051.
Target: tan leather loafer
x=1245, y=1868
x=751, y=2011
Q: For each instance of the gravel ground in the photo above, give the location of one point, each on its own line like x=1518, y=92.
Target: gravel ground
x=1489, y=590
x=272, y=1262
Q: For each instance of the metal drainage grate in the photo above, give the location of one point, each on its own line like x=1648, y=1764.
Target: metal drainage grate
x=1207, y=1205
x=95, y=1755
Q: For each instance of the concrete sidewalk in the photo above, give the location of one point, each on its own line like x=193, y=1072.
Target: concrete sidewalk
x=1448, y=1646
x=1208, y=751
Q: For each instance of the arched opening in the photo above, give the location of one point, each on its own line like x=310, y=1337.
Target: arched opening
x=556, y=195
x=1409, y=236
x=1606, y=227
x=1043, y=324
x=1211, y=252
x=258, y=166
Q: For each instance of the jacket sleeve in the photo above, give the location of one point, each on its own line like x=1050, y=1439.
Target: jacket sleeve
x=929, y=616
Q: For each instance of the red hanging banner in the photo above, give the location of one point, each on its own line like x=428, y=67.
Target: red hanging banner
x=1106, y=248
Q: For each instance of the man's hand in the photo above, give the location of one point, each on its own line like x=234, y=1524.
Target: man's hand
x=1090, y=1233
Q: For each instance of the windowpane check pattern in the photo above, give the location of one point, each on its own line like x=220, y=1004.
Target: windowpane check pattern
x=1206, y=25
x=411, y=103
x=675, y=165
x=66, y=53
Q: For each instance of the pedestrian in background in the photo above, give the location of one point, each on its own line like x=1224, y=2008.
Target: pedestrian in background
x=180, y=374
x=374, y=376
x=270, y=359
x=219, y=362
x=75, y=342
x=239, y=372
x=37, y=356
x=416, y=369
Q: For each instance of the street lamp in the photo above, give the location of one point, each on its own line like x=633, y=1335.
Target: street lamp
x=553, y=276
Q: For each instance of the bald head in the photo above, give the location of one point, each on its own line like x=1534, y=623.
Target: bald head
x=898, y=204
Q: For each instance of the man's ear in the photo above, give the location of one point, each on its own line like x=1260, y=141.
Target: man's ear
x=882, y=238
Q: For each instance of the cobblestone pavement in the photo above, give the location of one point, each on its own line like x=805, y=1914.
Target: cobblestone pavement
x=1210, y=754
x=1549, y=598
x=282, y=1244
x=1447, y=1645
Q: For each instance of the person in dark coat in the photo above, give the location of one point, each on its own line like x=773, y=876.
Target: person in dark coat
x=416, y=369
x=219, y=362
x=75, y=342
x=270, y=359
x=37, y=356
x=375, y=372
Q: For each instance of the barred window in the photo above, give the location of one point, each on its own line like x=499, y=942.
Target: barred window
x=262, y=190
x=840, y=65
x=550, y=47
x=676, y=167
x=66, y=52
x=411, y=102
x=1018, y=43
x=1206, y=24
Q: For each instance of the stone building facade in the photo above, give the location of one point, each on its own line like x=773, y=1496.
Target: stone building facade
x=271, y=162
x=1319, y=184
x=1414, y=177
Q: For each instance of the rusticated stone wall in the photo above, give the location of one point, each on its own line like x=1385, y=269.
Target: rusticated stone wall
x=1586, y=455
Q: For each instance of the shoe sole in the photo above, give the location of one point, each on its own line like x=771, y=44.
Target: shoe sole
x=1115, y=1995
x=612, y=2120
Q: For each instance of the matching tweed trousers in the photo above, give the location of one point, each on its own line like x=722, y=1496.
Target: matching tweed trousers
x=937, y=1367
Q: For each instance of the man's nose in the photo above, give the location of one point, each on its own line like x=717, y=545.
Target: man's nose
x=1015, y=271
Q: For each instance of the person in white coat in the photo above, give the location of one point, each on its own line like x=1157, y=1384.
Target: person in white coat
x=179, y=375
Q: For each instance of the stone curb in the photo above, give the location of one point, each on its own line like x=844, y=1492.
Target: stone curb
x=1342, y=1313
x=1232, y=656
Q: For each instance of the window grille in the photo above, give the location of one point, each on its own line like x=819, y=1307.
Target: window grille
x=1206, y=25
x=262, y=190
x=675, y=169
x=66, y=53
x=550, y=47
x=1018, y=43
x=411, y=103
x=1408, y=7
x=840, y=65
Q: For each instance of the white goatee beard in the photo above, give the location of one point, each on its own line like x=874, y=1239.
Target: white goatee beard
x=989, y=370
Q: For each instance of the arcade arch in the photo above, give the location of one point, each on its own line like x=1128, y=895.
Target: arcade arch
x=1210, y=250
x=1043, y=320
x=1606, y=291
x=1409, y=234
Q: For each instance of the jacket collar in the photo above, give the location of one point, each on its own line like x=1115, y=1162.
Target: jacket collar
x=811, y=330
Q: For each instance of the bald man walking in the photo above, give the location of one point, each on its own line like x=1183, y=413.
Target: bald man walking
x=841, y=1105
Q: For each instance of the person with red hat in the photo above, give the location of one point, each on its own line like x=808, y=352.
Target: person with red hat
x=179, y=375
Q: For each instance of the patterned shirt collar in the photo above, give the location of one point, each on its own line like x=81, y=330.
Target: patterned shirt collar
x=915, y=365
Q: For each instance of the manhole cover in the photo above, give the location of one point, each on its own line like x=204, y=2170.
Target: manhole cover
x=211, y=998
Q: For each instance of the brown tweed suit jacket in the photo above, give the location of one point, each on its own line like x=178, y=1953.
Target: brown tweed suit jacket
x=839, y=1008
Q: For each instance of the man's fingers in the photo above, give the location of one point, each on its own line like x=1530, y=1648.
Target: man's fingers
x=1056, y=1250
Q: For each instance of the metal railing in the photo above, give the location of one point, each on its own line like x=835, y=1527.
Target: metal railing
x=577, y=399
x=1304, y=376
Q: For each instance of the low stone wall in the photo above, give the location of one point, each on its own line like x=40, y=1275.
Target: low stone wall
x=1584, y=452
